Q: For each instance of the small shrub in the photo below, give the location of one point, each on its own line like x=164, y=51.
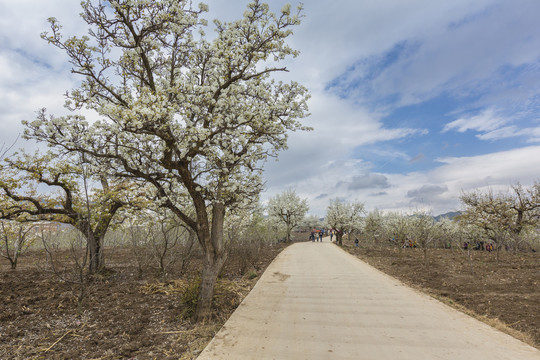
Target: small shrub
x=190, y=297
x=252, y=275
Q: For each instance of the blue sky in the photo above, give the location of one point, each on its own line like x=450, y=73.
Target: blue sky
x=413, y=101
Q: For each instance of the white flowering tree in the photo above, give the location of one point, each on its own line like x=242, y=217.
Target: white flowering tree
x=195, y=118
x=15, y=238
x=344, y=217
x=503, y=216
x=75, y=195
x=289, y=209
x=423, y=230
x=311, y=222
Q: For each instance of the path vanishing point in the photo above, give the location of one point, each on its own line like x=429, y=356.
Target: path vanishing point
x=315, y=301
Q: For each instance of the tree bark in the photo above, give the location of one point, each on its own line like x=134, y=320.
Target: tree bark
x=210, y=274
x=288, y=233
x=339, y=236
x=96, y=260
x=215, y=256
x=95, y=251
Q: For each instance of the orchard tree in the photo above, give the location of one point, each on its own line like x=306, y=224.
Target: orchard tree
x=397, y=228
x=422, y=231
x=73, y=196
x=311, y=222
x=503, y=216
x=15, y=238
x=374, y=226
x=289, y=209
x=195, y=118
x=526, y=204
x=344, y=217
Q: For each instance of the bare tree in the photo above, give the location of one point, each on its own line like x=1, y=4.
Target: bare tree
x=71, y=269
x=171, y=241
x=16, y=237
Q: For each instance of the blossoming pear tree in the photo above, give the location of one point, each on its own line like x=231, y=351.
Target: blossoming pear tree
x=76, y=194
x=289, y=209
x=503, y=217
x=194, y=116
x=344, y=217
x=15, y=238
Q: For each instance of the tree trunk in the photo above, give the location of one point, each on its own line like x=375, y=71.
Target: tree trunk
x=339, y=236
x=96, y=260
x=215, y=256
x=288, y=233
x=210, y=274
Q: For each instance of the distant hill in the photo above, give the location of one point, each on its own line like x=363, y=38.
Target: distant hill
x=450, y=215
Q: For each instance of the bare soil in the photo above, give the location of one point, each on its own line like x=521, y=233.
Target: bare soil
x=125, y=314
x=507, y=289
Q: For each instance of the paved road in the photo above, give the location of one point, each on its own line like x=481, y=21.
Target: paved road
x=315, y=301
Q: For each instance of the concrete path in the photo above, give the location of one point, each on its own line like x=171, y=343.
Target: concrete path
x=316, y=301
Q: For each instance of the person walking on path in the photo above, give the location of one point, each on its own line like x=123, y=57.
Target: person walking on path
x=320, y=236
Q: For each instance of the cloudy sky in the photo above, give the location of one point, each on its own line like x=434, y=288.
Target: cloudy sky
x=413, y=101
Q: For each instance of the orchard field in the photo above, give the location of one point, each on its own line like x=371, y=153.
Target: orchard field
x=129, y=311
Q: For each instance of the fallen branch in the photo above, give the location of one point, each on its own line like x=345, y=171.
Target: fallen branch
x=174, y=332
x=57, y=341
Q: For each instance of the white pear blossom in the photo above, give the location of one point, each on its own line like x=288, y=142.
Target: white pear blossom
x=289, y=209
x=204, y=113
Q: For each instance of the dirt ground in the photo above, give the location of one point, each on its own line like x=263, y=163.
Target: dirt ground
x=507, y=290
x=124, y=315
x=130, y=316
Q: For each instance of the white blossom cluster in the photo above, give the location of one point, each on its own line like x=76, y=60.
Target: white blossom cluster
x=288, y=208
x=187, y=116
x=343, y=216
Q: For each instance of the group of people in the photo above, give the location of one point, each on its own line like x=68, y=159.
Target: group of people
x=317, y=235
x=480, y=245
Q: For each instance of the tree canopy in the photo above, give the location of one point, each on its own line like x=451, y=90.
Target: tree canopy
x=193, y=117
x=289, y=209
x=503, y=215
x=344, y=217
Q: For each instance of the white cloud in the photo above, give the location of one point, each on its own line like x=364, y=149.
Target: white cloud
x=427, y=193
x=368, y=181
x=487, y=120
x=438, y=189
x=456, y=47
x=532, y=134
x=339, y=128
x=492, y=126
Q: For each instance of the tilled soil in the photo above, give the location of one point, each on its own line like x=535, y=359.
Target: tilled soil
x=507, y=289
x=124, y=314
x=127, y=315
